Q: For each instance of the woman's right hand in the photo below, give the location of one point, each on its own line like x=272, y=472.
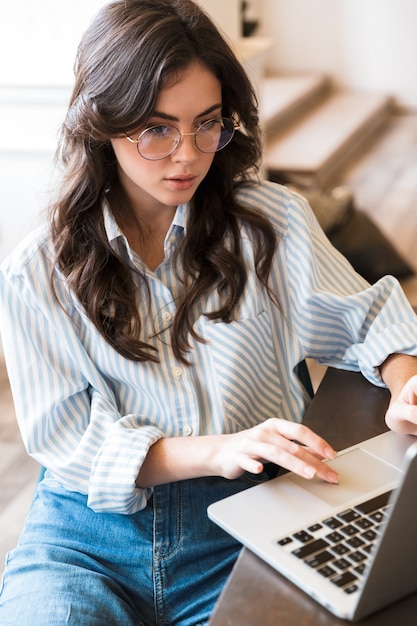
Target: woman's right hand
x=288, y=444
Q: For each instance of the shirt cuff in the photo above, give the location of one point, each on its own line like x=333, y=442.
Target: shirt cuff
x=112, y=487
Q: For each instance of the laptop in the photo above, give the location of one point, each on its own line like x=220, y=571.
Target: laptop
x=351, y=546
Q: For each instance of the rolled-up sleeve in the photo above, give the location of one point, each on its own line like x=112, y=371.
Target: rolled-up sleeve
x=330, y=312
x=340, y=319
x=69, y=417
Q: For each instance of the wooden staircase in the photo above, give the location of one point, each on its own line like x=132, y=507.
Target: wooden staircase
x=313, y=130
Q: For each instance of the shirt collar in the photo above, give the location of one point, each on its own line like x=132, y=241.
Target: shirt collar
x=181, y=216
x=112, y=229
x=116, y=236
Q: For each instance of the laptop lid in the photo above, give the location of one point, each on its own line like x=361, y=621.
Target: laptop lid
x=265, y=515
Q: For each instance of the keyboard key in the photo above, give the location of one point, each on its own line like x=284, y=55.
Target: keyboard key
x=310, y=548
x=342, y=563
x=285, y=541
x=364, y=523
x=332, y=523
x=351, y=589
x=378, y=516
x=303, y=537
x=334, y=537
x=327, y=571
x=314, y=528
x=369, y=535
x=319, y=559
x=340, y=549
x=357, y=556
x=355, y=542
x=349, y=530
x=344, y=579
x=349, y=516
x=374, y=503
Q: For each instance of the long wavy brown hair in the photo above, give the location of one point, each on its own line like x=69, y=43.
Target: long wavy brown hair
x=130, y=51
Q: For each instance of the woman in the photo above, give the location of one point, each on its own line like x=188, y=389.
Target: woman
x=153, y=329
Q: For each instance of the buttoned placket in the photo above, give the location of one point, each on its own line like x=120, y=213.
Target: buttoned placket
x=183, y=388
x=182, y=383
x=181, y=380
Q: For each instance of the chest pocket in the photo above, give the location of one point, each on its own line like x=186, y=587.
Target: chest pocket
x=245, y=366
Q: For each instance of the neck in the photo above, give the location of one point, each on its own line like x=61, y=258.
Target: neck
x=147, y=238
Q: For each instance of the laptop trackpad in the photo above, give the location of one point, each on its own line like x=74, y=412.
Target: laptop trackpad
x=359, y=473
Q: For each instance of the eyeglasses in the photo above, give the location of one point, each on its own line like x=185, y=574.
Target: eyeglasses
x=161, y=140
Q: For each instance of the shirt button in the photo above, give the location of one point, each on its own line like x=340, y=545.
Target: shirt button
x=177, y=372
x=166, y=316
x=187, y=431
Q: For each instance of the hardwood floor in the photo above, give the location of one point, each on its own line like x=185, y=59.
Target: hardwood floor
x=384, y=182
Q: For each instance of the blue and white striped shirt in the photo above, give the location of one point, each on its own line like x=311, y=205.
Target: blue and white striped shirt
x=90, y=415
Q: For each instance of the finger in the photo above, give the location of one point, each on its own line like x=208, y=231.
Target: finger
x=308, y=465
x=402, y=418
x=409, y=391
x=305, y=436
x=249, y=464
x=293, y=457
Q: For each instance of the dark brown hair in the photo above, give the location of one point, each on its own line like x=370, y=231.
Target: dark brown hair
x=131, y=49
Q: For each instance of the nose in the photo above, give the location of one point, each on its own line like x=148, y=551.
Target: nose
x=186, y=150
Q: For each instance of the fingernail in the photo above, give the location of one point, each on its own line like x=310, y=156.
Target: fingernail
x=333, y=477
x=330, y=453
x=309, y=472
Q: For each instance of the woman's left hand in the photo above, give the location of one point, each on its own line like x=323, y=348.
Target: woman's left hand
x=402, y=411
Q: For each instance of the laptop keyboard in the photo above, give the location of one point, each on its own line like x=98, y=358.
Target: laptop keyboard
x=339, y=547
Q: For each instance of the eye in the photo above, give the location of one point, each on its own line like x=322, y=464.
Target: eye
x=209, y=124
x=162, y=130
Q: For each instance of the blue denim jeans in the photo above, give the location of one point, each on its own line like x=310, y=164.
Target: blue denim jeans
x=164, y=566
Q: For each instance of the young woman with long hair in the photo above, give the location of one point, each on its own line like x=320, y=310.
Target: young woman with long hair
x=153, y=329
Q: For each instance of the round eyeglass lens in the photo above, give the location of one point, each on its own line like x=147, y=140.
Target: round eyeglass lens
x=214, y=135
x=158, y=142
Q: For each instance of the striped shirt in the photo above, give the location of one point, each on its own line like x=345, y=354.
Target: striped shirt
x=90, y=415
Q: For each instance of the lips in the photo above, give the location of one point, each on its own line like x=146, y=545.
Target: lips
x=181, y=182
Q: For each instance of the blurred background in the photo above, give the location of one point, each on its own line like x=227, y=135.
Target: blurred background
x=362, y=45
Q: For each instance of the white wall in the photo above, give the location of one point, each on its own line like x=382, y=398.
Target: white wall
x=226, y=14
x=385, y=52
x=39, y=38
x=29, y=122
x=38, y=43
x=365, y=44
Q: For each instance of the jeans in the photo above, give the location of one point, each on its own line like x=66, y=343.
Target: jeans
x=164, y=565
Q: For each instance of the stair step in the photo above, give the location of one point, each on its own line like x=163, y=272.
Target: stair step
x=287, y=96
x=314, y=147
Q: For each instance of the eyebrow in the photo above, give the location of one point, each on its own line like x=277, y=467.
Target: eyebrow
x=172, y=118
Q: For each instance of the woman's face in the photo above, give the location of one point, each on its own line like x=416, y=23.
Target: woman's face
x=154, y=186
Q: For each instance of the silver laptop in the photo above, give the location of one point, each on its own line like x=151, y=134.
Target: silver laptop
x=351, y=546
